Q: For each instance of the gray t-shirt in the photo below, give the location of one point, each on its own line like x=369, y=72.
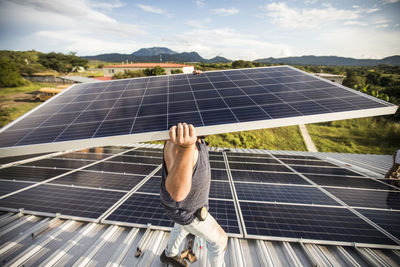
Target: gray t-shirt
x=183, y=212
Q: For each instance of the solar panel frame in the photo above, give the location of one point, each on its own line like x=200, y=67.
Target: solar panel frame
x=385, y=108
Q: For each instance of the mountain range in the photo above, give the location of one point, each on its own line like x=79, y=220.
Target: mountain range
x=157, y=54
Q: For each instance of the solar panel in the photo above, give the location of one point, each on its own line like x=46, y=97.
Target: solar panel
x=282, y=193
x=151, y=186
x=143, y=109
x=220, y=190
x=343, y=181
x=224, y=213
x=324, y=170
x=388, y=220
x=29, y=174
x=73, y=201
x=308, y=222
x=11, y=186
x=140, y=210
x=368, y=198
x=268, y=177
x=104, y=180
x=116, y=167
x=218, y=174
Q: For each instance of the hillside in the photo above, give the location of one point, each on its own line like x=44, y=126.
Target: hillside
x=331, y=60
x=154, y=54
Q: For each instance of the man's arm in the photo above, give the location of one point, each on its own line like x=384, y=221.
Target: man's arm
x=180, y=156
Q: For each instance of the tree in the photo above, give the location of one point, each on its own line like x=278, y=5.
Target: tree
x=239, y=64
x=62, y=63
x=9, y=74
x=373, y=78
x=177, y=71
x=128, y=74
x=154, y=71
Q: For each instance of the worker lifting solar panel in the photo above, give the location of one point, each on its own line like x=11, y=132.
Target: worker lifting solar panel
x=143, y=109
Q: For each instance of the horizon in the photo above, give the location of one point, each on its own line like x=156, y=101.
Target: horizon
x=231, y=29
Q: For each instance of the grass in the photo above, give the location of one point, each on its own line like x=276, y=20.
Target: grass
x=283, y=138
x=29, y=88
x=377, y=135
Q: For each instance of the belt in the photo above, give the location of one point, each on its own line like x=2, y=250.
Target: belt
x=201, y=213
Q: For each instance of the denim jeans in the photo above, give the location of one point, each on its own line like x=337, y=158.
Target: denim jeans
x=209, y=230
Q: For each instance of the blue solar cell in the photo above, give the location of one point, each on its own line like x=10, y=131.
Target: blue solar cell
x=224, y=116
x=388, y=220
x=368, y=198
x=185, y=96
x=250, y=114
x=282, y=193
x=189, y=118
x=182, y=107
x=149, y=124
x=216, y=103
x=280, y=110
x=114, y=127
x=307, y=222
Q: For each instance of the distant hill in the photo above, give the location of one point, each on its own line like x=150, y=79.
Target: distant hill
x=153, y=51
x=154, y=54
x=331, y=60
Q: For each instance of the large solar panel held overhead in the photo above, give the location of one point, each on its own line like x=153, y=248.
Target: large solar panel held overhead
x=143, y=109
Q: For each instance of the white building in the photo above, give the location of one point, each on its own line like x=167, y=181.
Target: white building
x=110, y=70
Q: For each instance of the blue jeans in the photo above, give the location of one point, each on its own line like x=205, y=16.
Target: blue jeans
x=209, y=230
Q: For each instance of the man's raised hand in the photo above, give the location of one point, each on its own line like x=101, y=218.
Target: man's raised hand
x=183, y=135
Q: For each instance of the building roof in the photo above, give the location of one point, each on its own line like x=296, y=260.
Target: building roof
x=31, y=239
x=148, y=65
x=79, y=79
x=103, y=78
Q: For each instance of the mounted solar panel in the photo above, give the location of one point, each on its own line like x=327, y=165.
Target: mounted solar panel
x=143, y=109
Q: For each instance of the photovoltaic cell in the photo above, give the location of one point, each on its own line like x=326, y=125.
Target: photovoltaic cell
x=29, y=173
x=224, y=213
x=343, y=181
x=388, y=220
x=368, y=198
x=151, y=186
x=7, y=187
x=258, y=167
x=217, y=174
x=267, y=177
x=102, y=180
x=282, y=193
x=59, y=163
x=18, y=158
x=73, y=201
x=116, y=167
x=220, y=190
x=115, y=109
x=141, y=209
x=317, y=223
x=308, y=162
x=324, y=170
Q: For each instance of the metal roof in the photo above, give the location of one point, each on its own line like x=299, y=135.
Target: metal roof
x=32, y=240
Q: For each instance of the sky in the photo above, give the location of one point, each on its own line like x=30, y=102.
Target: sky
x=234, y=29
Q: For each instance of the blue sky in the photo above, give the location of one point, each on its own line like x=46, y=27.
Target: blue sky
x=248, y=29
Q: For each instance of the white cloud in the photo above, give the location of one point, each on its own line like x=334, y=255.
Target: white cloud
x=54, y=26
x=310, y=2
x=357, y=23
x=381, y=26
x=288, y=17
x=200, y=3
x=151, y=9
x=106, y=5
x=225, y=42
x=365, y=42
x=390, y=1
x=225, y=11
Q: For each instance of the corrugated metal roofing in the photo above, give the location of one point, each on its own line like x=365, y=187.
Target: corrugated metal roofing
x=30, y=240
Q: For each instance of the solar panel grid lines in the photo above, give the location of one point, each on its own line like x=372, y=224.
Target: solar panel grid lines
x=60, y=175
x=345, y=206
x=232, y=108
x=388, y=220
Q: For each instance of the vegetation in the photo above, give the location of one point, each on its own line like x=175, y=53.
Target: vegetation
x=284, y=138
x=9, y=75
x=62, y=63
x=139, y=73
x=177, y=71
x=376, y=135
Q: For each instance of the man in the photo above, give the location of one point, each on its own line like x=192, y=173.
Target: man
x=185, y=185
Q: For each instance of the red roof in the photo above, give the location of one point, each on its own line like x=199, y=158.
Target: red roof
x=148, y=65
x=103, y=78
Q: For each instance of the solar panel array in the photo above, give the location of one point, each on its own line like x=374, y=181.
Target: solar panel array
x=133, y=110
x=262, y=196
